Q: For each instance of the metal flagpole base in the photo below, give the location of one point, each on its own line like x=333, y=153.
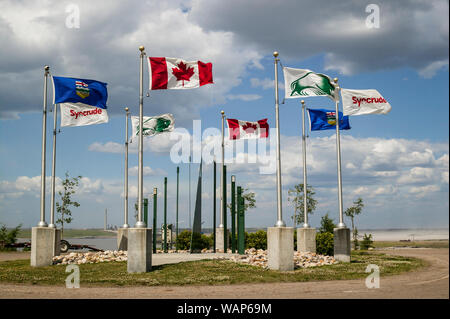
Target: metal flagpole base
x=51, y=226
x=305, y=225
x=140, y=224
x=341, y=225
x=42, y=224
x=125, y=226
x=221, y=226
x=280, y=223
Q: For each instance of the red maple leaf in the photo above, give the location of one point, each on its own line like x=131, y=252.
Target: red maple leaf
x=183, y=73
x=250, y=128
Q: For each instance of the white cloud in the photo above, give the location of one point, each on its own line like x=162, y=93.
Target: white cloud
x=244, y=97
x=147, y=171
x=108, y=147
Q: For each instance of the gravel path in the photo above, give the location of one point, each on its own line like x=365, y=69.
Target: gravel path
x=429, y=282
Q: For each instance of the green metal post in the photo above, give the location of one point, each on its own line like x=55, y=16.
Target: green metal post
x=178, y=182
x=233, y=214
x=165, y=215
x=214, y=208
x=146, y=211
x=155, y=192
x=225, y=232
x=241, y=225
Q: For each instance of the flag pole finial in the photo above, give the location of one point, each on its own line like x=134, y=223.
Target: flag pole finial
x=46, y=68
x=275, y=53
x=303, y=102
x=126, y=109
x=141, y=48
x=335, y=80
x=222, y=112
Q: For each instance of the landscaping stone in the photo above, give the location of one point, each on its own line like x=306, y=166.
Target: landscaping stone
x=255, y=257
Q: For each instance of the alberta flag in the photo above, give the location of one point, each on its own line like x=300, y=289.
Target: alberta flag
x=320, y=119
x=81, y=91
x=173, y=73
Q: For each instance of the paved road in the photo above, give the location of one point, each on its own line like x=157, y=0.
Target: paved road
x=429, y=282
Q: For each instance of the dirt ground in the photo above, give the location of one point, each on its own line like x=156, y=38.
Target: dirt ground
x=429, y=282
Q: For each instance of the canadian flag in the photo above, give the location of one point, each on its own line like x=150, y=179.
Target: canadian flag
x=173, y=73
x=247, y=130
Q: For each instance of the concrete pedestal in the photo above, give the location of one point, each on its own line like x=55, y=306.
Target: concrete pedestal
x=122, y=239
x=44, y=242
x=139, y=250
x=219, y=239
x=280, y=248
x=306, y=240
x=342, y=244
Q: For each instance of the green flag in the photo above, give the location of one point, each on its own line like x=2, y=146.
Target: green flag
x=153, y=125
x=303, y=83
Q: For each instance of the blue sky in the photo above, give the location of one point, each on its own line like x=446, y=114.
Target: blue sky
x=398, y=163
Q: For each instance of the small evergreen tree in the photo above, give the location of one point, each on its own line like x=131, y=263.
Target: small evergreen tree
x=326, y=224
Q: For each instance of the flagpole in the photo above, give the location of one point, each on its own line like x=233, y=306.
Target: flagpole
x=190, y=225
x=140, y=223
x=280, y=222
x=305, y=185
x=221, y=174
x=52, y=207
x=125, y=224
x=338, y=150
x=42, y=222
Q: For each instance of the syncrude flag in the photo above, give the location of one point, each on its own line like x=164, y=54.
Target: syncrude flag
x=77, y=114
x=320, y=119
x=173, y=73
x=247, y=130
x=299, y=83
x=359, y=102
x=153, y=125
x=82, y=91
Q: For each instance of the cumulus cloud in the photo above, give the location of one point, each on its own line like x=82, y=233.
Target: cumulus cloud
x=109, y=34
x=244, y=97
x=147, y=171
x=412, y=33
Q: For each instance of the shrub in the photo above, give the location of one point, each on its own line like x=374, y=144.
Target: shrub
x=200, y=242
x=256, y=240
x=184, y=240
x=8, y=237
x=325, y=243
x=367, y=242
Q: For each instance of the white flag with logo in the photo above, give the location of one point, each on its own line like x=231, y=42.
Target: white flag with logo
x=78, y=114
x=300, y=83
x=359, y=102
x=153, y=125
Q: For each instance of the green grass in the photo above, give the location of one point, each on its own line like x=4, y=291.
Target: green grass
x=414, y=244
x=73, y=233
x=207, y=272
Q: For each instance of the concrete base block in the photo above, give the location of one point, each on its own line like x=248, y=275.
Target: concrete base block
x=280, y=248
x=122, y=239
x=139, y=250
x=306, y=240
x=219, y=239
x=342, y=244
x=43, y=242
